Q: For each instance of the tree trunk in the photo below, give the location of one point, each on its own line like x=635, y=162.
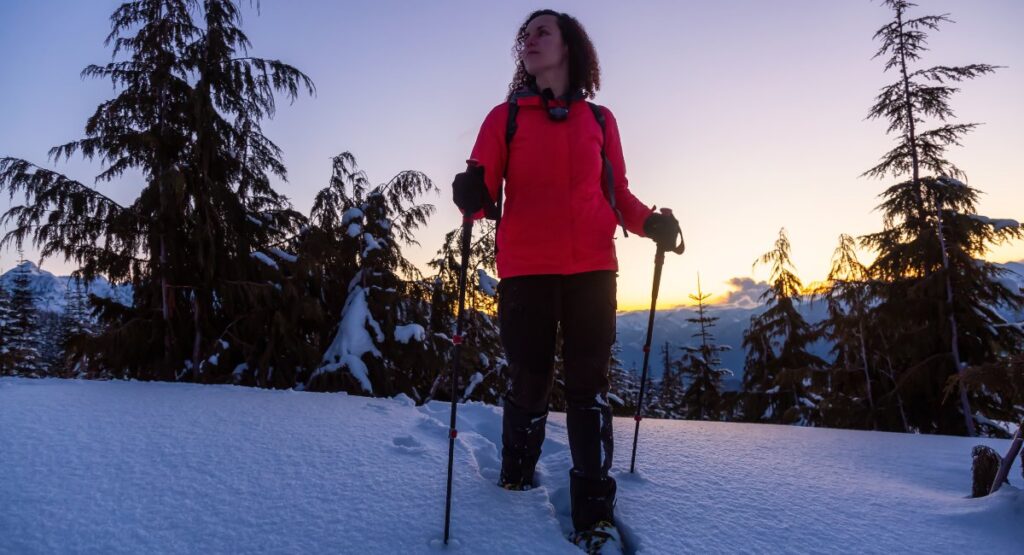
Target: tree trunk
x=197, y=340
x=911, y=132
x=965, y=405
x=867, y=375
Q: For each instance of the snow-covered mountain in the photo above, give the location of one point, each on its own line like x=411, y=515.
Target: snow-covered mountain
x=734, y=315
x=670, y=325
x=50, y=291
x=146, y=467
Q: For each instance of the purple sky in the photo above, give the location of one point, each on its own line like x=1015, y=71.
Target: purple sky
x=743, y=116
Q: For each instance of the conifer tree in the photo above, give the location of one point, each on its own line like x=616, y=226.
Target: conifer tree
x=849, y=399
x=624, y=385
x=999, y=388
x=187, y=118
x=22, y=340
x=938, y=295
x=51, y=354
x=76, y=326
x=483, y=364
x=702, y=399
x=779, y=369
x=378, y=344
x=670, y=389
x=6, y=320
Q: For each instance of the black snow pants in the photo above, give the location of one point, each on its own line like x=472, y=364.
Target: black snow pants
x=530, y=311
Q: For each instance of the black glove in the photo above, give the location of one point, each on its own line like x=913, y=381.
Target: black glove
x=663, y=228
x=469, y=192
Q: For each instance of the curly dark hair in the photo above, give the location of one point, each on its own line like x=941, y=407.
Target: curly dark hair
x=584, y=70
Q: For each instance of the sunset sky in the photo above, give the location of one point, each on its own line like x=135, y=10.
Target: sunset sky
x=742, y=116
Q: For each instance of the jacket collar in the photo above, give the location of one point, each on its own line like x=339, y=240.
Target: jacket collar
x=530, y=96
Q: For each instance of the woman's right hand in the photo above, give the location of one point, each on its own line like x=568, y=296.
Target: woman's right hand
x=469, y=191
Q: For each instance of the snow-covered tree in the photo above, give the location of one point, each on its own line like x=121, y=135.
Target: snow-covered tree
x=938, y=297
x=6, y=318
x=668, y=401
x=483, y=365
x=76, y=325
x=998, y=388
x=624, y=385
x=379, y=345
x=22, y=331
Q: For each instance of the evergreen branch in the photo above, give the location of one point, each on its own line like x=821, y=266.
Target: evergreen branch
x=44, y=185
x=941, y=74
x=930, y=22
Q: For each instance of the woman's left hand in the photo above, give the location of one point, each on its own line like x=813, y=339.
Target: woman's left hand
x=663, y=228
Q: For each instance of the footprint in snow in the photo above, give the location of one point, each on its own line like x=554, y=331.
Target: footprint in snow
x=408, y=444
x=433, y=427
x=484, y=453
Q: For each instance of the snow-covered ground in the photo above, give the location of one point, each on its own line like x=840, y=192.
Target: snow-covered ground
x=129, y=467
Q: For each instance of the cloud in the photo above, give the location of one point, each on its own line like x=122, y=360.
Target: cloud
x=745, y=293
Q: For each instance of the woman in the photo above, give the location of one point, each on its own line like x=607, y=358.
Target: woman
x=565, y=192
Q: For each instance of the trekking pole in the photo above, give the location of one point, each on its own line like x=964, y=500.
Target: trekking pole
x=659, y=261
x=467, y=232
x=467, y=236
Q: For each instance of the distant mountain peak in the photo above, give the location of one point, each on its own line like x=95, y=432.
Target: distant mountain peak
x=50, y=291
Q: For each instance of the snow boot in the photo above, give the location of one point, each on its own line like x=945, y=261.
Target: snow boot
x=521, y=438
x=591, y=489
x=603, y=538
x=592, y=499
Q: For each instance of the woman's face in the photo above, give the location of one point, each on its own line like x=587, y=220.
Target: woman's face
x=543, y=48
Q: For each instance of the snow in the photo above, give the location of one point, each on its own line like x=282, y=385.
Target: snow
x=997, y=224
x=283, y=255
x=353, y=340
x=476, y=379
x=372, y=244
x=354, y=229
x=50, y=291
x=403, y=334
x=351, y=215
x=264, y=259
x=487, y=284
x=144, y=467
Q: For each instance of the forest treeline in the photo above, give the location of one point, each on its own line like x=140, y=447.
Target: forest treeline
x=232, y=284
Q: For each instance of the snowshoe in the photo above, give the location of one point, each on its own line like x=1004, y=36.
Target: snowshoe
x=514, y=485
x=603, y=539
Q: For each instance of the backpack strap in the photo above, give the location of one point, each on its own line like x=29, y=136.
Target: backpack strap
x=607, y=171
x=510, y=131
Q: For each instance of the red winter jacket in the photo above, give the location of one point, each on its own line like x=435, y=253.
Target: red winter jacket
x=556, y=219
